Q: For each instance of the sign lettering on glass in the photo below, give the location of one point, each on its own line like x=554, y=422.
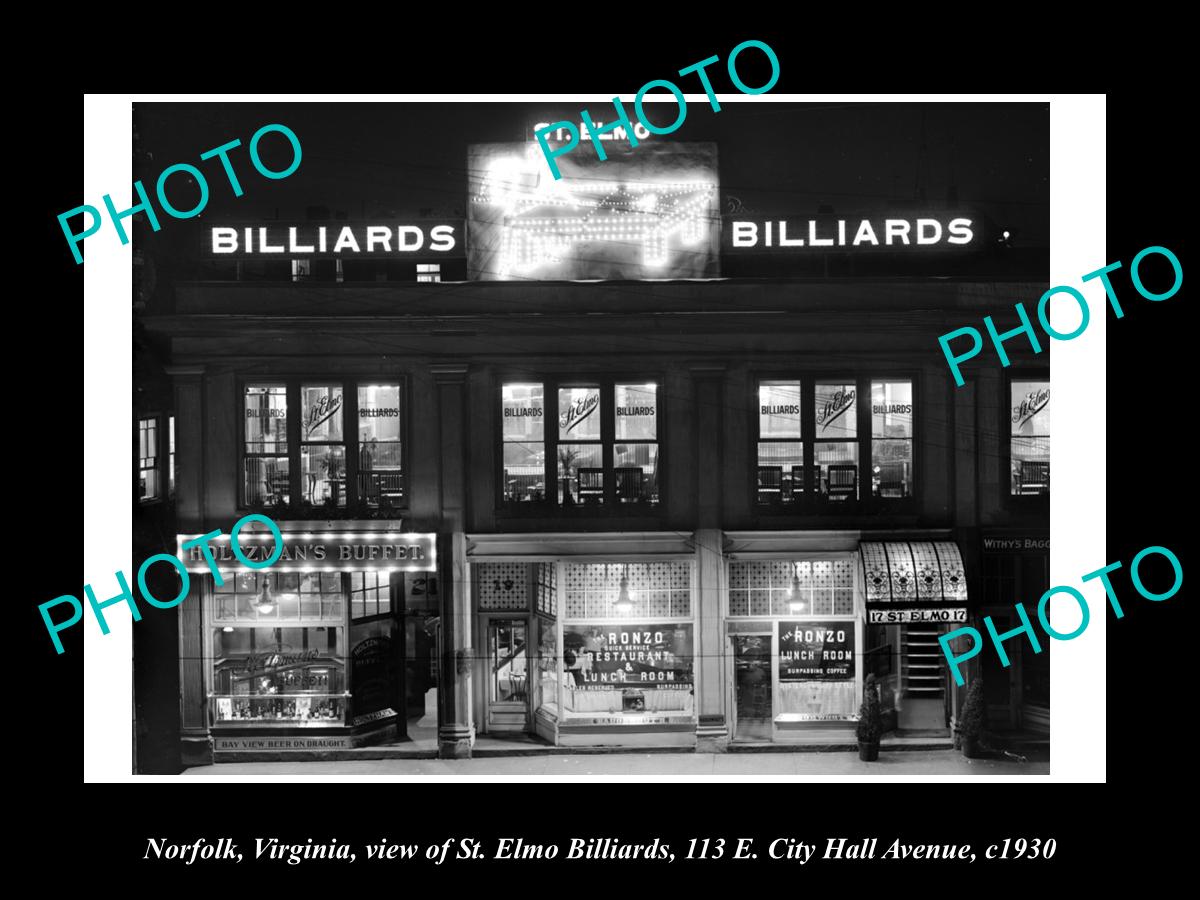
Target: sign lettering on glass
x=579, y=411
x=1034, y=403
x=658, y=656
x=324, y=409
x=816, y=650
x=831, y=408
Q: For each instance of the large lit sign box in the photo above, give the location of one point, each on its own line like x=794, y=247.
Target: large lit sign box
x=645, y=213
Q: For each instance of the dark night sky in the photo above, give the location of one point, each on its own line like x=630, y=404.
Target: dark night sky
x=380, y=159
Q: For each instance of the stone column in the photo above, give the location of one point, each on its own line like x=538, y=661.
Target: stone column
x=456, y=730
x=712, y=732
x=191, y=509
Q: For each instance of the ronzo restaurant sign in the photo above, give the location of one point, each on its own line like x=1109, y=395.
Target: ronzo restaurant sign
x=431, y=238
x=393, y=551
x=816, y=650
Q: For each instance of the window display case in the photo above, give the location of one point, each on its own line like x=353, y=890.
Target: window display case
x=278, y=675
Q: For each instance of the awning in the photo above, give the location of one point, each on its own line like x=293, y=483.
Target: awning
x=913, y=581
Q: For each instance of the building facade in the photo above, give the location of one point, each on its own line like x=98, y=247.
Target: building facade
x=604, y=516
x=547, y=474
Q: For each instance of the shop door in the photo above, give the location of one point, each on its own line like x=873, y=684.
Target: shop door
x=507, y=670
x=753, y=687
x=922, y=679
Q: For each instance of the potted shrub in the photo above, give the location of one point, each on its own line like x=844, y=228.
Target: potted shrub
x=972, y=721
x=870, y=723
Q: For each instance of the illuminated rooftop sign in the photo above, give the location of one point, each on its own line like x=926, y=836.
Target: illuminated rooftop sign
x=650, y=216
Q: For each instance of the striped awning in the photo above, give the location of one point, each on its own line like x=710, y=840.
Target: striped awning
x=913, y=581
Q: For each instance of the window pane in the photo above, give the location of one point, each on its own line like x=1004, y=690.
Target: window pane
x=288, y=676
x=525, y=472
x=522, y=412
x=636, y=472
x=580, y=474
x=1030, y=408
x=378, y=413
x=148, y=484
x=891, y=468
x=891, y=409
x=637, y=411
x=780, y=471
x=171, y=456
x=267, y=480
x=837, y=470
x=779, y=409
x=579, y=413
x=266, y=419
x=323, y=474
x=321, y=412
x=836, y=411
x=1030, y=442
x=148, y=432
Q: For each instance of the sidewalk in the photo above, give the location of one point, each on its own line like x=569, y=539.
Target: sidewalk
x=746, y=765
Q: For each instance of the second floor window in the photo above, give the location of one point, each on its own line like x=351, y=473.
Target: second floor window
x=813, y=442
x=148, y=488
x=267, y=480
x=1029, y=437
x=344, y=450
x=322, y=445
x=595, y=446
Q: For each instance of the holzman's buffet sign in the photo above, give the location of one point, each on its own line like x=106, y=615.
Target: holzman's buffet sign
x=317, y=552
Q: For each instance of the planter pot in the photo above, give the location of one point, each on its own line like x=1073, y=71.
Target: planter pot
x=868, y=752
x=970, y=747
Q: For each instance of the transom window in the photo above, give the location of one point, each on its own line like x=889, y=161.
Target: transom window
x=343, y=450
x=815, y=436
x=600, y=448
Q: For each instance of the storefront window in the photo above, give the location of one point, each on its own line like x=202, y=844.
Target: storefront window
x=322, y=451
x=277, y=649
x=891, y=439
x=600, y=452
x=1030, y=437
x=807, y=626
x=627, y=643
x=148, y=459
x=279, y=675
x=266, y=445
x=522, y=412
x=780, y=450
x=380, y=476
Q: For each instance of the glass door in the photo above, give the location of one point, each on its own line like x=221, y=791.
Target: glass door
x=753, y=686
x=508, y=674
